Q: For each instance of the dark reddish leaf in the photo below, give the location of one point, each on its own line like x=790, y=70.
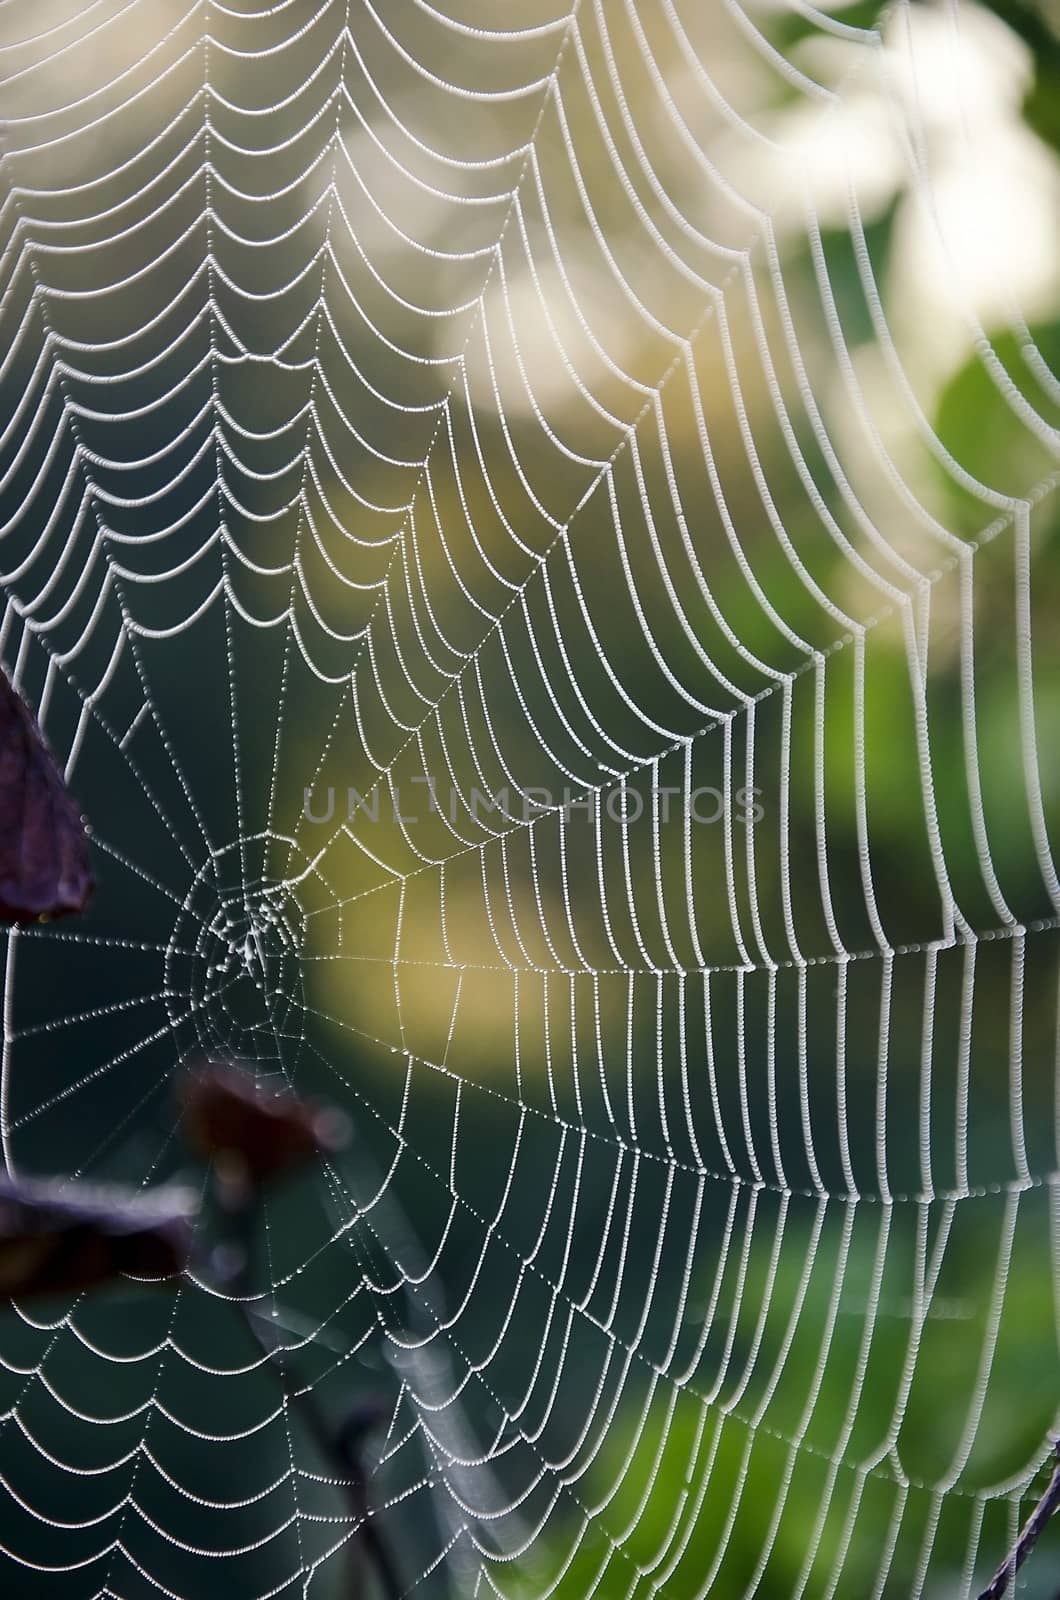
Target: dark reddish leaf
x=262, y=1131
x=44, y=870
x=63, y=1237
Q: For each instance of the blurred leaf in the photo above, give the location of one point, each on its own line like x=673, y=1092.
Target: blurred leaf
x=60, y=1237
x=845, y=277
x=264, y=1132
x=791, y=27
x=980, y=428
x=44, y=870
x=1036, y=26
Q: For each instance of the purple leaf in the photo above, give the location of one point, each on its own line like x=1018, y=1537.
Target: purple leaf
x=61, y=1237
x=261, y=1131
x=44, y=869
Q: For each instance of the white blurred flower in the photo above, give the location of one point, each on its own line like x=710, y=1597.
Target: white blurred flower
x=978, y=242
x=932, y=116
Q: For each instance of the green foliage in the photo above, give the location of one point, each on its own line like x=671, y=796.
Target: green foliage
x=978, y=419
x=792, y=27
x=711, y=1488
x=1034, y=21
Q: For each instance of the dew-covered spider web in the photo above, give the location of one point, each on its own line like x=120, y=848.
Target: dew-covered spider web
x=533, y=535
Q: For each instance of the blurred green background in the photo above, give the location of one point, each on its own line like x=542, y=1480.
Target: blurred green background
x=699, y=1222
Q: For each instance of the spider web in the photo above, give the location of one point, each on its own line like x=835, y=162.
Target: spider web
x=478, y=532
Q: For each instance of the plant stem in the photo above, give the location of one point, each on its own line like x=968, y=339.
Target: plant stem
x=1030, y=1533
x=345, y=1460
